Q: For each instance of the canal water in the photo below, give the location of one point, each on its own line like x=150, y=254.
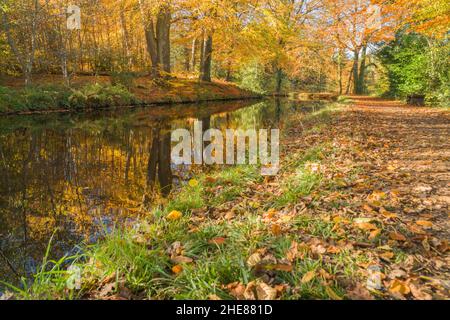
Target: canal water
x=76, y=176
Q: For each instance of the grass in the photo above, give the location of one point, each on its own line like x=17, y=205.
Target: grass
x=139, y=259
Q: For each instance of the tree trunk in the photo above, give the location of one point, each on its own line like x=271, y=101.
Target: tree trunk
x=187, y=59
x=362, y=72
x=163, y=39
x=340, y=71
x=126, y=38
x=355, y=71
x=193, y=52
x=202, y=52
x=205, y=74
x=158, y=39
x=279, y=80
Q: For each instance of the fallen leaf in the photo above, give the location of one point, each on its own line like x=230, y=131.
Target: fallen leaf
x=276, y=229
x=181, y=259
x=387, y=255
x=217, y=241
x=249, y=292
x=366, y=226
x=254, y=259
x=210, y=180
x=399, y=287
x=107, y=289
x=333, y=295
x=359, y=293
x=177, y=269
x=307, y=277
x=265, y=292
x=279, y=267
x=397, y=236
x=193, y=183
x=419, y=294
x=388, y=214
x=236, y=289
x=174, y=215
x=374, y=234
x=424, y=223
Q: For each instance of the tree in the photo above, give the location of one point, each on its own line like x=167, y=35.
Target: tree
x=157, y=21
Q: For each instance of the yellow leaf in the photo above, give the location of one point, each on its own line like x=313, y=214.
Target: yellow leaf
x=308, y=276
x=193, y=183
x=174, y=215
x=398, y=286
x=333, y=295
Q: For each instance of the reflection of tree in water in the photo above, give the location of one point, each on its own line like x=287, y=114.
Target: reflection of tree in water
x=159, y=159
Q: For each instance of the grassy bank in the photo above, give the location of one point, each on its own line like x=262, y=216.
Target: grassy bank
x=224, y=235
x=109, y=91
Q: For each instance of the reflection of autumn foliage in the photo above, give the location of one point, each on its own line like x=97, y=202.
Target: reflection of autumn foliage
x=78, y=177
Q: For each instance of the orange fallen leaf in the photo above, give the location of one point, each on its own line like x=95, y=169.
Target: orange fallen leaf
x=276, y=229
x=210, y=180
x=218, y=240
x=374, y=234
x=424, y=223
x=177, y=269
x=368, y=208
x=388, y=214
x=397, y=236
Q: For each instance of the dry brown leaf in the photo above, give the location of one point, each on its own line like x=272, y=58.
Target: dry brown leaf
x=359, y=293
x=419, y=294
x=366, y=226
x=279, y=267
x=254, y=259
x=265, y=292
x=181, y=259
x=276, y=229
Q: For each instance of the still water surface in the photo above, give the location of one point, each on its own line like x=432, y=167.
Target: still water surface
x=82, y=174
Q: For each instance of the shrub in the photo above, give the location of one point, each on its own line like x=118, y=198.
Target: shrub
x=125, y=79
x=98, y=95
